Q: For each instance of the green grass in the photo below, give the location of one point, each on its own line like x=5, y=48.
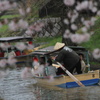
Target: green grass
x=94, y=41
x=50, y=41
x=4, y=28
x=9, y=16
x=95, y=63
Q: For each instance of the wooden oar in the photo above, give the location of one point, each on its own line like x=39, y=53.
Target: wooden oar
x=73, y=77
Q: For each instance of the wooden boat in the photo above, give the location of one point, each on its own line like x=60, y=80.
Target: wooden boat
x=62, y=81
x=19, y=55
x=89, y=78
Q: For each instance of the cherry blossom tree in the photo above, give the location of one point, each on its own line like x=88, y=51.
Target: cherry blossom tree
x=73, y=16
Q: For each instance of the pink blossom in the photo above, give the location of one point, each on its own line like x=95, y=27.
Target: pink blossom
x=70, y=14
x=3, y=63
x=94, y=9
x=74, y=15
x=11, y=60
x=29, y=32
x=30, y=46
x=39, y=70
x=36, y=63
x=14, y=5
x=51, y=78
x=66, y=21
x=41, y=24
x=82, y=19
x=90, y=5
x=28, y=9
x=26, y=73
x=96, y=53
x=22, y=12
x=4, y=46
x=84, y=29
x=69, y=2
x=67, y=34
x=22, y=24
x=86, y=37
x=37, y=28
x=73, y=27
x=20, y=46
x=88, y=23
x=77, y=38
x=5, y=21
x=82, y=5
x=13, y=26
x=98, y=13
x=5, y=5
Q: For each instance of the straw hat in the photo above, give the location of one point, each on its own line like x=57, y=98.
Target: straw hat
x=59, y=45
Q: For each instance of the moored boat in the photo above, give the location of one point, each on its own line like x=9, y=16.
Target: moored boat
x=8, y=48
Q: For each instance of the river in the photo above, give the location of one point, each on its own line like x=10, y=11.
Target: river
x=13, y=87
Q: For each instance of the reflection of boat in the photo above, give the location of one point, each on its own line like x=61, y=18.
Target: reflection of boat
x=88, y=78
x=10, y=49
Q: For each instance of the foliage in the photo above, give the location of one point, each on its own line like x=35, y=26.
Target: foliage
x=94, y=41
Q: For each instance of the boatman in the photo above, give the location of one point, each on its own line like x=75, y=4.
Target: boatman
x=68, y=58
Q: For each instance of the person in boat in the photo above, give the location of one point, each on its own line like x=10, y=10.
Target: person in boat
x=40, y=70
x=68, y=58
x=38, y=66
x=83, y=65
x=1, y=52
x=49, y=69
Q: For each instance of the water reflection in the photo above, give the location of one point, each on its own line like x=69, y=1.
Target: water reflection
x=13, y=87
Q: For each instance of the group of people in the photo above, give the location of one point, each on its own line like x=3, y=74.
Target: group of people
x=67, y=57
x=44, y=69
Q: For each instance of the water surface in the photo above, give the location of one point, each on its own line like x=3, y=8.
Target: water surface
x=13, y=87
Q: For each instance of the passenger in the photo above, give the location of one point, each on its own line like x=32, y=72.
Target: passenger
x=35, y=65
x=41, y=68
x=69, y=58
x=83, y=65
x=1, y=53
x=50, y=70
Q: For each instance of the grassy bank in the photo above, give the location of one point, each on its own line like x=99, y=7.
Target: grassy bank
x=94, y=41
x=49, y=41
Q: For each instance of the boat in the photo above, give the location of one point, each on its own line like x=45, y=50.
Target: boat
x=88, y=78
x=11, y=49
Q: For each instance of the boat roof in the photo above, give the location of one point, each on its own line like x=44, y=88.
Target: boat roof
x=16, y=38
x=50, y=50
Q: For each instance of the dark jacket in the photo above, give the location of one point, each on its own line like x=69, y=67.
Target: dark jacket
x=68, y=58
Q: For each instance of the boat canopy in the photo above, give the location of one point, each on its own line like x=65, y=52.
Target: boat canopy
x=51, y=52
x=50, y=49
x=16, y=38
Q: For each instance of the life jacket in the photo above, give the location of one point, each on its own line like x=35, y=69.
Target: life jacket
x=30, y=42
x=18, y=53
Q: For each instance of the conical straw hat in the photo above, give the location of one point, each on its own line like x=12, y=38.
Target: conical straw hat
x=59, y=45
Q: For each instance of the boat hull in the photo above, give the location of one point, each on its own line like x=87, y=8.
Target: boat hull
x=65, y=80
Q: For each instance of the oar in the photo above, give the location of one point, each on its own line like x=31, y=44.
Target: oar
x=73, y=77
